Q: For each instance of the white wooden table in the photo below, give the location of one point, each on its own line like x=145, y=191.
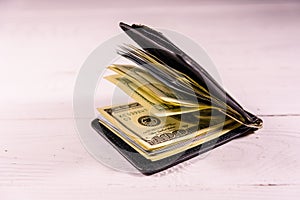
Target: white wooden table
x=42, y=47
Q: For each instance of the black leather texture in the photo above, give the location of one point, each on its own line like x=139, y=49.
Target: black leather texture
x=149, y=167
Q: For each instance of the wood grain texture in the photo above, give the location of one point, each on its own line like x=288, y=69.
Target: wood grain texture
x=42, y=48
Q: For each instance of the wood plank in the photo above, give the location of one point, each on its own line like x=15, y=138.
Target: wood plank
x=51, y=162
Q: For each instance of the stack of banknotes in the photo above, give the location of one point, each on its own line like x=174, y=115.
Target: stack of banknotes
x=177, y=104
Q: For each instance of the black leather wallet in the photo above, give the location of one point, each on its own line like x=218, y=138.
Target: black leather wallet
x=159, y=48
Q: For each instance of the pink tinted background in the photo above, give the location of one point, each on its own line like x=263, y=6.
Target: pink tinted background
x=254, y=44
x=44, y=43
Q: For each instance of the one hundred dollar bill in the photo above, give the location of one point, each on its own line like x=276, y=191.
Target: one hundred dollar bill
x=143, y=95
x=154, y=86
x=159, y=137
x=151, y=88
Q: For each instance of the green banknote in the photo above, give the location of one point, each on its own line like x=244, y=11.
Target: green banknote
x=144, y=95
x=154, y=89
x=154, y=86
x=159, y=137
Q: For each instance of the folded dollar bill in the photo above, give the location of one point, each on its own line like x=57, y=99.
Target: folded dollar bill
x=179, y=110
x=159, y=137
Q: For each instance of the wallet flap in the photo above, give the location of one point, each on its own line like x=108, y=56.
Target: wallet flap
x=165, y=51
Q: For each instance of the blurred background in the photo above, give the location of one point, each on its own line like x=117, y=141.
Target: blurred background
x=44, y=43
